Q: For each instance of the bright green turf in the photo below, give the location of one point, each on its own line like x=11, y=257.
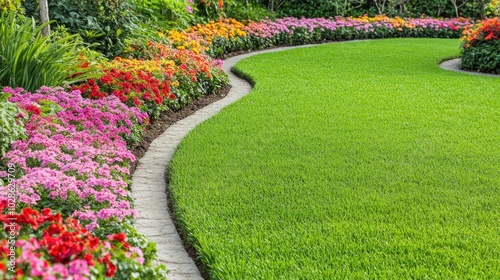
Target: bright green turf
x=348, y=161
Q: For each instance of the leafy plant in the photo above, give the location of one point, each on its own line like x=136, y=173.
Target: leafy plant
x=102, y=23
x=248, y=11
x=11, y=5
x=166, y=14
x=212, y=9
x=10, y=128
x=492, y=8
x=30, y=60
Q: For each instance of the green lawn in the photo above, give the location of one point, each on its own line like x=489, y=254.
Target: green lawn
x=360, y=160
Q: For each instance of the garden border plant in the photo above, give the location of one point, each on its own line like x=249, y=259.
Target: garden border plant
x=480, y=48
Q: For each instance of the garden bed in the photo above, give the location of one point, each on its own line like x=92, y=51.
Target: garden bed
x=154, y=78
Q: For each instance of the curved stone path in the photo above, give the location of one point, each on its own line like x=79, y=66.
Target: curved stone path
x=148, y=180
x=454, y=65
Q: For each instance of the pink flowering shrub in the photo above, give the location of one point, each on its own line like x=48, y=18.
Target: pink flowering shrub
x=75, y=160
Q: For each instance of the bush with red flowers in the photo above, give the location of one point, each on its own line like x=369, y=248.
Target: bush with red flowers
x=481, y=47
x=43, y=245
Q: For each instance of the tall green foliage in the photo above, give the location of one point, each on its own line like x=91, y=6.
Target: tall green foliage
x=29, y=60
x=247, y=11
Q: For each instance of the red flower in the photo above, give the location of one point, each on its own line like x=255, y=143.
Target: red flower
x=89, y=259
x=121, y=237
x=30, y=216
x=137, y=102
x=106, y=79
x=110, y=269
x=49, y=217
x=33, y=109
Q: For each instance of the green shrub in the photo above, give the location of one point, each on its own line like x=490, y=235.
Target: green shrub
x=102, y=23
x=166, y=14
x=408, y=8
x=10, y=129
x=483, y=57
x=240, y=11
x=29, y=60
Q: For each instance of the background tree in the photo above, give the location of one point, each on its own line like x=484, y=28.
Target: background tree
x=44, y=16
x=457, y=4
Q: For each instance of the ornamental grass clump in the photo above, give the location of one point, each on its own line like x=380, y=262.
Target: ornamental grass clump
x=30, y=60
x=481, y=47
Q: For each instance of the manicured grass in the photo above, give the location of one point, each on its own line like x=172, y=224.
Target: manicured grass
x=356, y=160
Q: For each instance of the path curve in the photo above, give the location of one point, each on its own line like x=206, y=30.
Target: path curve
x=148, y=180
x=454, y=65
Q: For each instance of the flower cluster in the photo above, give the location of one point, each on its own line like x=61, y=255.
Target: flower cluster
x=487, y=30
x=198, y=38
x=163, y=78
x=50, y=247
x=75, y=160
x=228, y=35
x=133, y=84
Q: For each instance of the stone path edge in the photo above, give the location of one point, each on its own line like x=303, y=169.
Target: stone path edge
x=454, y=65
x=148, y=181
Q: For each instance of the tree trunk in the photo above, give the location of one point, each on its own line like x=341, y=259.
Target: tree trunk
x=44, y=16
x=455, y=6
